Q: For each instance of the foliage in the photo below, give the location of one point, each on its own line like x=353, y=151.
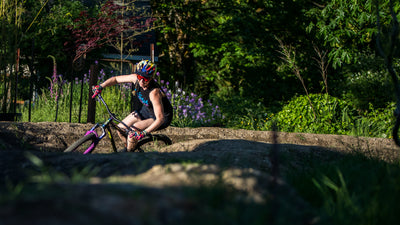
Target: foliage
x=241, y=62
x=359, y=86
x=47, y=35
x=11, y=21
x=45, y=107
x=354, y=189
x=360, y=78
x=334, y=116
x=376, y=122
x=93, y=32
x=189, y=108
x=228, y=53
x=176, y=33
x=350, y=29
x=228, y=47
x=244, y=113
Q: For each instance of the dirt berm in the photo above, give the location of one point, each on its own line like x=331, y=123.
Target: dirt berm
x=208, y=175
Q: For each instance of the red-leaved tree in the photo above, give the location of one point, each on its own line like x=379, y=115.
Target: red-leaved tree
x=89, y=33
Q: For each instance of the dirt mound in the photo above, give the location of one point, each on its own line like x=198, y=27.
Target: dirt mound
x=206, y=175
x=55, y=137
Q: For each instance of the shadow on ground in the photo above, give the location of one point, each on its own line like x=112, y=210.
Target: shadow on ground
x=208, y=176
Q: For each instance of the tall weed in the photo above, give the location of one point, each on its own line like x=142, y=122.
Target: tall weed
x=351, y=189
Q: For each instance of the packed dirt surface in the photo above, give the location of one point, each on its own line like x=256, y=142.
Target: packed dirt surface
x=208, y=175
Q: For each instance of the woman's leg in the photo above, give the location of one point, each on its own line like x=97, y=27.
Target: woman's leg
x=130, y=120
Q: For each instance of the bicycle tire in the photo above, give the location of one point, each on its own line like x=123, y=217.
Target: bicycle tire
x=152, y=143
x=83, y=142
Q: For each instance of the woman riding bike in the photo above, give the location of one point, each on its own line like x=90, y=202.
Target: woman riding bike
x=156, y=112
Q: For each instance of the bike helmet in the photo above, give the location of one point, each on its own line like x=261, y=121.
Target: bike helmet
x=146, y=68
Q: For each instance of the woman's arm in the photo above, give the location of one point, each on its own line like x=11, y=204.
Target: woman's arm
x=131, y=78
x=155, y=98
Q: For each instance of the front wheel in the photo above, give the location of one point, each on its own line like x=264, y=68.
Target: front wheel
x=152, y=143
x=84, y=145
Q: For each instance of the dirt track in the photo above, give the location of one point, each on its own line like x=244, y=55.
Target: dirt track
x=199, y=157
x=55, y=137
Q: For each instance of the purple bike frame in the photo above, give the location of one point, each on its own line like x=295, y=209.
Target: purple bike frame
x=91, y=147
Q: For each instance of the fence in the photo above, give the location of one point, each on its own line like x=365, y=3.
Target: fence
x=79, y=93
x=11, y=99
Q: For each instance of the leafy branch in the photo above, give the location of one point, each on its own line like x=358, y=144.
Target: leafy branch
x=91, y=33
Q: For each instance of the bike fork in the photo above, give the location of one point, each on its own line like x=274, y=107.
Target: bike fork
x=94, y=143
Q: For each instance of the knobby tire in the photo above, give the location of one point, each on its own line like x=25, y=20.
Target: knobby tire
x=90, y=138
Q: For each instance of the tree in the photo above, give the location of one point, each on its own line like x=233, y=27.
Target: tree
x=11, y=21
x=137, y=21
x=110, y=23
x=348, y=30
x=347, y=27
x=227, y=47
x=180, y=21
x=45, y=32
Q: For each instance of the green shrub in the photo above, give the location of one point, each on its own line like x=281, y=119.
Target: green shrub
x=242, y=113
x=359, y=85
x=332, y=115
x=375, y=122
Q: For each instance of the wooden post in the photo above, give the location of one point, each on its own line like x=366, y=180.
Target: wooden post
x=16, y=84
x=94, y=73
x=152, y=52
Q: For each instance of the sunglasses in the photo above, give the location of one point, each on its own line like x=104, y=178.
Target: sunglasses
x=143, y=78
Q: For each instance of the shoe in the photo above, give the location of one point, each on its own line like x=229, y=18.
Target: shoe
x=132, y=144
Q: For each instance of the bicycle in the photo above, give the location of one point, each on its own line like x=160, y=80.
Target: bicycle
x=91, y=139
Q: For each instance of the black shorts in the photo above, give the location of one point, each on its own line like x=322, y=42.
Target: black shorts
x=145, y=113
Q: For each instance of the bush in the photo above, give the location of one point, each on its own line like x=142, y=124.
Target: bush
x=244, y=113
x=359, y=85
x=376, y=122
x=332, y=115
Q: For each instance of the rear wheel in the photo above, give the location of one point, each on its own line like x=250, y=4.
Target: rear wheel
x=153, y=143
x=82, y=144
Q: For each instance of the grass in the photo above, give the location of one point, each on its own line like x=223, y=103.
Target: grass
x=350, y=189
x=71, y=100
x=354, y=189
